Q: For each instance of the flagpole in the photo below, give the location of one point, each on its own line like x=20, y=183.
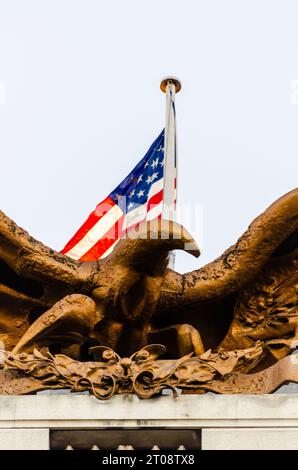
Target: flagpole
x=170, y=86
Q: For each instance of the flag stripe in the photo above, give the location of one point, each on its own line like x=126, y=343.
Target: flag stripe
x=156, y=199
x=106, y=243
x=109, y=251
x=105, y=246
x=98, y=231
x=93, y=218
x=155, y=212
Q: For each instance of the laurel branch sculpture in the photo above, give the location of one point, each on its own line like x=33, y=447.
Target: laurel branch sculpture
x=228, y=327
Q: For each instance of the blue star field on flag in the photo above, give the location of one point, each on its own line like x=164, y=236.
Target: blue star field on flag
x=134, y=189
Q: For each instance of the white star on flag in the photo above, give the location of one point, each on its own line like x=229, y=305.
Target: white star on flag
x=141, y=193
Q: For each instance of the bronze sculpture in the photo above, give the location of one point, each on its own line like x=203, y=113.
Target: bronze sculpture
x=227, y=327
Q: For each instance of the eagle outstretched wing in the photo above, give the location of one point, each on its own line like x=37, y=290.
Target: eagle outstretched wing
x=248, y=293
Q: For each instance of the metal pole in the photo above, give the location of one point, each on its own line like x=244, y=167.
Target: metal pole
x=170, y=86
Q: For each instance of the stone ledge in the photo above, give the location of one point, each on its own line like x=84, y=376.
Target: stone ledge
x=187, y=411
x=250, y=439
x=24, y=439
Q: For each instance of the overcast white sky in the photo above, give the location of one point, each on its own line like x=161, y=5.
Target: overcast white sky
x=80, y=104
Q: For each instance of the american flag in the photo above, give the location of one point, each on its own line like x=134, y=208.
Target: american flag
x=138, y=198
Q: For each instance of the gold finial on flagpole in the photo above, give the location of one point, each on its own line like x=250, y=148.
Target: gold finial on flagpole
x=168, y=81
